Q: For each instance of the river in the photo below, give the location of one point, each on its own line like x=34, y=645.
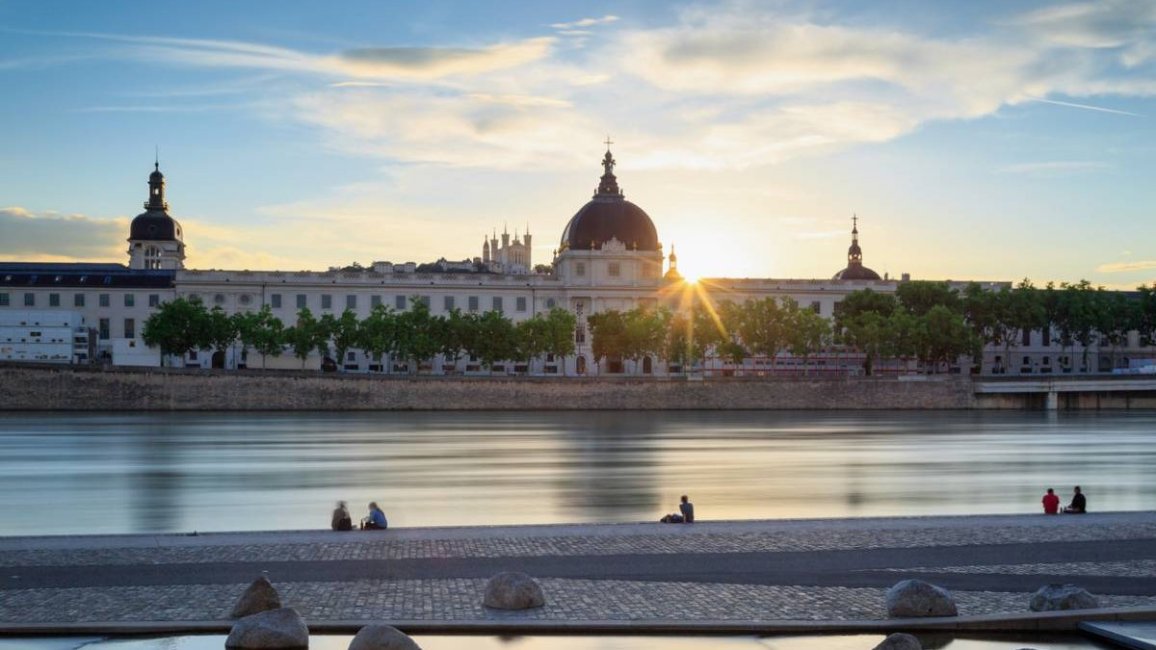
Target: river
x=179, y=472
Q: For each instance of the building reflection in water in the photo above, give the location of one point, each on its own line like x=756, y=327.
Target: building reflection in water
x=609, y=471
x=155, y=476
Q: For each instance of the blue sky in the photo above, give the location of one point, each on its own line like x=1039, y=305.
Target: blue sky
x=981, y=140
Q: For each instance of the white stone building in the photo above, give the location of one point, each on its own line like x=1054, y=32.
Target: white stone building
x=609, y=257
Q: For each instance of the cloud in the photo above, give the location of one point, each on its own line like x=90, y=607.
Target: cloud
x=1125, y=267
x=1055, y=166
x=1122, y=25
x=44, y=236
x=399, y=63
x=585, y=22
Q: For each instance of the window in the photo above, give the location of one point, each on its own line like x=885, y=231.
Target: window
x=129, y=328
x=326, y=301
x=473, y=302
x=448, y=303
x=375, y=301
x=1047, y=333
x=104, y=329
x=614, y=269
x=580, y=269
x=579, y=334
x=78, y=300
x=497, y=304
x=520, y=303
x=815, y=306
x=1027, y=339
x=29, y=300
x=399, y=302
x=351, y=302
x=275, y=301
x=301, y=302
x=246, y=299
x=154, y=300
x=219, y=299
x=54, y=300
x=106, y=300
x=4, y=300
x=130, y=300
x=424, y=300
x=551, y=303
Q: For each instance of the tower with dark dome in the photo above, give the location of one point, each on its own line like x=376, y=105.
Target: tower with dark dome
x=155, y=239
x=610, y=241
x=855, y=269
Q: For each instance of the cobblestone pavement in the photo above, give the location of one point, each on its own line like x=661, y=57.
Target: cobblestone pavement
x=651, y=597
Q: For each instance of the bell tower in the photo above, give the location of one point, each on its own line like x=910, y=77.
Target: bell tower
x=155, y=239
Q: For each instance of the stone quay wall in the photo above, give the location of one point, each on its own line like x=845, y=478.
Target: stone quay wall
x=68, y=388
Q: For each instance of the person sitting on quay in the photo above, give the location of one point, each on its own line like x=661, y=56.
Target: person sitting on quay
x=375, y=520
x=687, y=510
x=1079, y=504
x=1051, y=503
x=341, y=518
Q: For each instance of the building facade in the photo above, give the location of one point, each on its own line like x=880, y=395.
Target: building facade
x=609, y=257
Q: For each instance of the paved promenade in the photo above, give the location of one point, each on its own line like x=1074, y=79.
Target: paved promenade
x=750, y=572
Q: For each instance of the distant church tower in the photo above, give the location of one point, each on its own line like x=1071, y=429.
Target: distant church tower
x=155, y=240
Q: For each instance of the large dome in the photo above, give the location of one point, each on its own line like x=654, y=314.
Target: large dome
x=610, y=216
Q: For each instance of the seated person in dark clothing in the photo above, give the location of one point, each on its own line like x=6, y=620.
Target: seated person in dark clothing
x=341, y=519
x=687, y=510
x=1079, y=504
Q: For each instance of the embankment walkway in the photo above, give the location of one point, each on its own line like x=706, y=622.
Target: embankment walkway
x=748, y=573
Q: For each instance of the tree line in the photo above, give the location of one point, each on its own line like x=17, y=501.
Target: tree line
x=934, y=324
x=412, y=336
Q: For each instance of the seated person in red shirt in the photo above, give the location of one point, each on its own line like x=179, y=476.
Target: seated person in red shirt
x=1051, y=503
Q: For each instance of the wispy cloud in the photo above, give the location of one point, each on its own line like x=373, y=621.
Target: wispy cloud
x=1055, y=166
x=1088, y=107
x=1125, y=267
x=585, y=22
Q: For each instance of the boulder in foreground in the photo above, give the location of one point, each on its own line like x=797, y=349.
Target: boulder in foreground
x=280, y=629
x=916, y=598
x=900, y=641
x=513, y=590
x=1053, y=597
x=261, y=596
x=382, y=637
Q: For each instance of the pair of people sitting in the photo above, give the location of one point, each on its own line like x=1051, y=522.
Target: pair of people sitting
x=1078, y=506
x=374, y=521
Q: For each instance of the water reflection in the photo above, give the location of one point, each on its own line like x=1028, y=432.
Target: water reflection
x=73, y=473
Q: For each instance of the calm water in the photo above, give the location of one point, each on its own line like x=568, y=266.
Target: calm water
x=120, y=473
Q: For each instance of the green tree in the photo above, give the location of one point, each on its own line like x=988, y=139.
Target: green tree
x=177, y=327
x=496, y=339
x=644, y=333
x=417, y=334
x=807, y=333
x=608, y=334
x=378, y=333
x=220, y=330
x=921, y=296
x=267, y=334
x=559, y=333
x=681, y=346
x=306, y=335
x=345, y=333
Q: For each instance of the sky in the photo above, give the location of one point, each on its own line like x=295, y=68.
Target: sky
x=975, y=141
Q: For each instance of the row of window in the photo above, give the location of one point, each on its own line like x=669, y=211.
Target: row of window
x=614, y=270
x=104, y=328
x=401, y=302
x=79, y=299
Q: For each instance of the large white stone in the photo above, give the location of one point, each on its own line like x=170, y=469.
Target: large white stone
x=260, y=596
x=280, y=629
x=382, y=637
x=916, y=598
x=1055, y=597
x=513, y=590
x=899, y=641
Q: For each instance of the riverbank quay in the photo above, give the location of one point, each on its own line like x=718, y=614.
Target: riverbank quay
x=736, y=577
